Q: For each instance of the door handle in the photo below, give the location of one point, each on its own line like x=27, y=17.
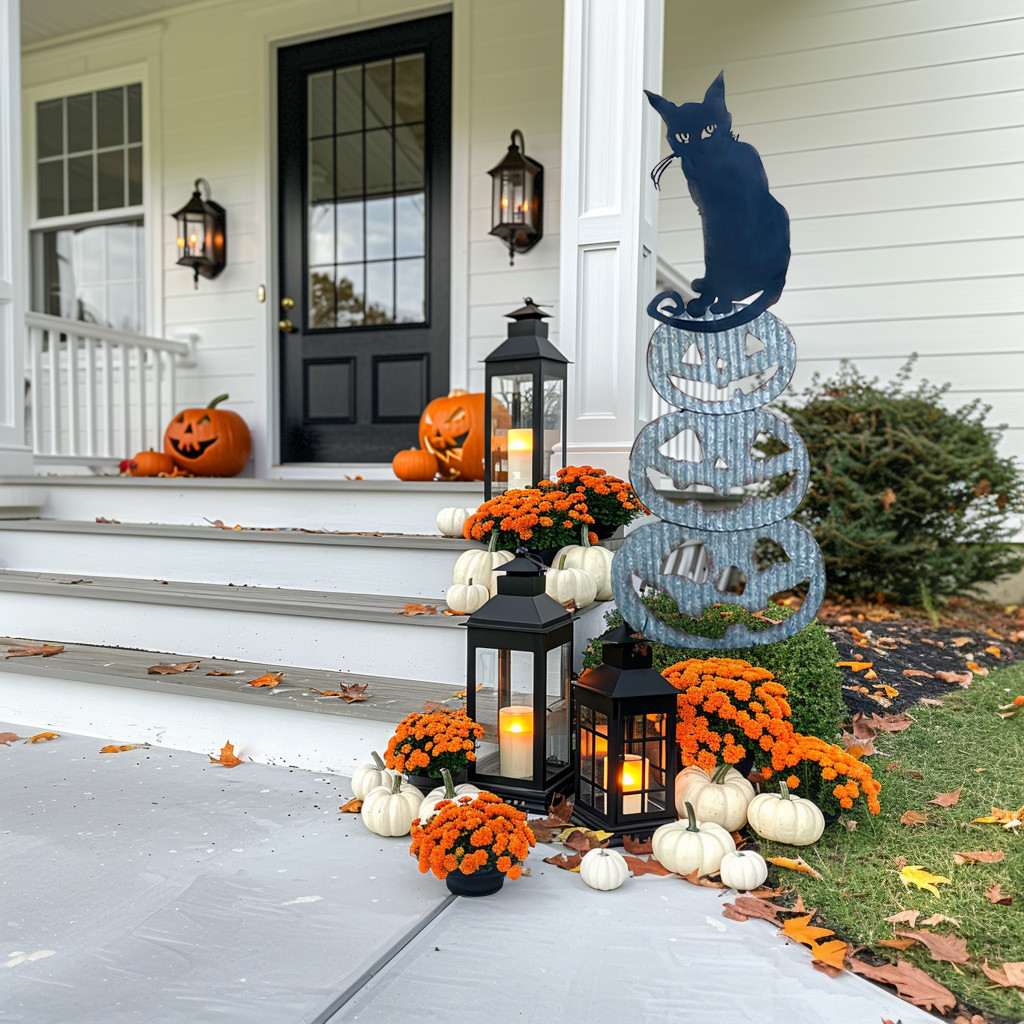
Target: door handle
x=286, y=326
x=287, y=303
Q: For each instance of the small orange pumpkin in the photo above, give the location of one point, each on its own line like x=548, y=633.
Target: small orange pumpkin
x=150, y=463
x=210, y=441
x=453, y=428
x=414, y=464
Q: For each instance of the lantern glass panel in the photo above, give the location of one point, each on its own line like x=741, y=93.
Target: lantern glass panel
x=593, y=744
x=504, y=707
x=511, y=431
x=192, y=234
x=554, y=403
x=559, y=668
x=642, y=775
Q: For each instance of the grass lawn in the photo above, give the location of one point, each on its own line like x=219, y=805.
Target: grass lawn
x=962, y=744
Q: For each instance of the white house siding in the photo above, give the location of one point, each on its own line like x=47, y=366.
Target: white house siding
x=208, y=101
x=894, y=134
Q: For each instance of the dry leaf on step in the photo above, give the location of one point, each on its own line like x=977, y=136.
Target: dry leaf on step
x=963, y=679
x=583, y=840
x=42, y=737
x=831, y=954
x=913, y=818
x=950, y=949
x=995, y=894
x=696, y=878
x=979, y=857
x=40, y=650
x=797, y=864
x=566, y=861
x=227, y=757
x=910, y=982
x=414, y=608
x=746, y=907
x=222, y=672
x=350, y=693
x=268, y=680
x=905, y=917
x=645, y=866
x=352, y=806
x=119, y=748
x=636, y=846
x=950, y=799
x=173, y=670
x=914, y=874
x=1010, y=975
x=7, y=738
x=800, y=929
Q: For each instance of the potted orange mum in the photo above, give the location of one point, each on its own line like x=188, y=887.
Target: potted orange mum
x=424, y=742
x=473, y=845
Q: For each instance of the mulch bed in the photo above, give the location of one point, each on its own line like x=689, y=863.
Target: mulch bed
x=907, y=651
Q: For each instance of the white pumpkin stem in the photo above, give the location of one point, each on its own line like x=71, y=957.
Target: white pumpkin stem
x=561, y=562
x=396, y=784
x=376, y=760
x=783, y=790
x=449, y=785
x=719, y=774
x=492, y=544
x=584, y=537
x=691, y=818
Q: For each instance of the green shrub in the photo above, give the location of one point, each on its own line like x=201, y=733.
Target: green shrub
x=907, y=499
x=805, y=663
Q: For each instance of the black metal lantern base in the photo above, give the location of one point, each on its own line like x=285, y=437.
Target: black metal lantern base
x=529, y=797
x=641, y=830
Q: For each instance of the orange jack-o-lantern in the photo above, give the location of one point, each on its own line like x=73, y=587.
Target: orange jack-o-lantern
x=210, y=441
x=452, y=429
x=151, y=463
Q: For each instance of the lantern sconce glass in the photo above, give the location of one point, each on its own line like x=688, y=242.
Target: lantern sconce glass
x=517, y=199
x=201, y=233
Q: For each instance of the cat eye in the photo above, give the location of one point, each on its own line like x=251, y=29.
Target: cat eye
x=682, y=136
x=707, y=131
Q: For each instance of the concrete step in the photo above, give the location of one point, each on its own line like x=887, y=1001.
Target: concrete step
x=372, y=563
x=387, y=506
x=311, y=628
x=104, y=691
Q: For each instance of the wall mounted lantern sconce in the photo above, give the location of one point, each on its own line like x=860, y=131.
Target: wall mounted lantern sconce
x=517, y=199
x=202, y=233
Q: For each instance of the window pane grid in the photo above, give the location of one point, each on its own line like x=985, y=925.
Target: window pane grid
x=379, y=264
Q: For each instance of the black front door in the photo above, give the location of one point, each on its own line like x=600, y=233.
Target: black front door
x=364, y=124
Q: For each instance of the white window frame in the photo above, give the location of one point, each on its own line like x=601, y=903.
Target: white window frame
x=152, y=186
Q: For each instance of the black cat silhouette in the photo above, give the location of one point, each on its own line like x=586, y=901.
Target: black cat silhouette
x=746, y=229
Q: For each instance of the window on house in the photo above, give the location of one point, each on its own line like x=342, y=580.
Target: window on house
x=88, y=230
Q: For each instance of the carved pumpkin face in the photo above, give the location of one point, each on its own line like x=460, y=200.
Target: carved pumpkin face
x=643, y=555
x=721, y=455
x=210, y=441
x=452, y=430
x=707, y=372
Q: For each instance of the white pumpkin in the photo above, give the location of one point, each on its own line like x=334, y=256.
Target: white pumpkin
x=784, y=818
x=565, y=585
x=590, y=558
x=480, y=565
x=604, y=869
x=370, y=776
x=721, y=797
x=466, y=598
x=450, y=521
x=743, y=870
x=391, y=810
x=448, y=791
x=690, y=845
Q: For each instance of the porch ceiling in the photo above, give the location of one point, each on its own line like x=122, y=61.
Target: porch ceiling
x=46, y=19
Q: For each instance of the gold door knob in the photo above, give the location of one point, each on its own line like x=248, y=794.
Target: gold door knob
x=287, y=303
x=286, y=326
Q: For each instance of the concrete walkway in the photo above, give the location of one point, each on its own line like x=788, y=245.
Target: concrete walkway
x=150, y=887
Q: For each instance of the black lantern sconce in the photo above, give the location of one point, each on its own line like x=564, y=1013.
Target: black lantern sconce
x=517, y=199
x=202, y=233
x=524, y=393
x=518, y=672
x=624, y=739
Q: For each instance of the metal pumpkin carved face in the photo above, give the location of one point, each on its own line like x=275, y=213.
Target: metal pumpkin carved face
x=723, y=453
x=452, y=429
x=731, y=371
x=210, y=441
x=640, y=566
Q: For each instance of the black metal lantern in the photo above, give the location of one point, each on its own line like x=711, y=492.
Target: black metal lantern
x=624, y=739
x=202, y=233
x=518, y=671
x=517, y=199
x=524, y=393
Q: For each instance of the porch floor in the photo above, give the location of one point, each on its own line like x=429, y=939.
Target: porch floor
x=150, y=886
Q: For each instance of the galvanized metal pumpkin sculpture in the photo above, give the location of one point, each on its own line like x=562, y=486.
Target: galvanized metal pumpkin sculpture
x=210, y=441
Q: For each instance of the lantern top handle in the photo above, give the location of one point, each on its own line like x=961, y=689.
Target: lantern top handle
x=529, y=310
x=521, y=144
x=202, y=186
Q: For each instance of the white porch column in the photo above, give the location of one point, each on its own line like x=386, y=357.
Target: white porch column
x=15, y=456
x=610, y=141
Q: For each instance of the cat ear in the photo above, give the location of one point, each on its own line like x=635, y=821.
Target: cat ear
x=663, y=106
x=715, y=96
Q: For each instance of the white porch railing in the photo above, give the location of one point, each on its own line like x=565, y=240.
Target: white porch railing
x=97, y=395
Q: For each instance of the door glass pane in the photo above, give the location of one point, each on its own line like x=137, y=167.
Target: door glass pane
x=410, y=216
x=380, y=229
x=110, y=179
x=321, y=233
x=379, y=177
x=409, y=157
x=350, y=294
x=50, y=128
x=378, y=94
x=348, y=92
x=321, y=296
x=350, y=232
x=80, y=184
x=110, y=118
x=80, y=122
x=409, y=89
x=320, y=112
x=410, y=291
x=380, y=292
x=349, y=152
x=321, y=170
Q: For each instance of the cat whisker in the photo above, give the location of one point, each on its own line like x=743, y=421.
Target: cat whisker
x=659, y=169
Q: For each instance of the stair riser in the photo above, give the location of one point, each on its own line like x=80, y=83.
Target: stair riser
x=294, y=738
x=415, y=572
x=412, y=511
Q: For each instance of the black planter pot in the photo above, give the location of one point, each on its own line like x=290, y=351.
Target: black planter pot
x=546, y=555
x=480, y=883
x=425, y=783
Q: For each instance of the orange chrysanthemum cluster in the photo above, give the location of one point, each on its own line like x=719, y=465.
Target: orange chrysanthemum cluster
x=470, y=836
x=529, y=515
x=427, y=741
x=728, y=708
x=611, y=501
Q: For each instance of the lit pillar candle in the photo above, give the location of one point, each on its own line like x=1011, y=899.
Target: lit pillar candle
x=515, y=741
x=631, y=781
x=520, y=457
